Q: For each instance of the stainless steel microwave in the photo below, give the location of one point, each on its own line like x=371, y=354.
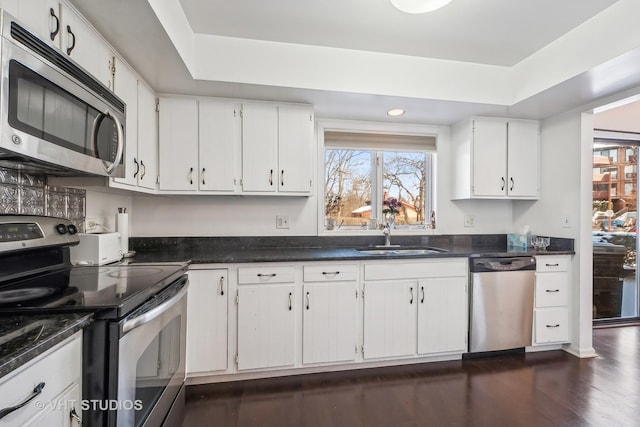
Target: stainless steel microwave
x=55, y=117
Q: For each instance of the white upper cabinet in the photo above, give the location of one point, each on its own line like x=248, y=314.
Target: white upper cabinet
x=147, y=137
x=260, y=147
x=211, y=146
x=126, y=87
x=178, y=143
x=277, y=142
x=219, y=133
x=60, y=25
x=495, y=158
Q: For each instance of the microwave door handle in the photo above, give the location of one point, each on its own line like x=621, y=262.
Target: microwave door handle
x=120, y=150
x=153, y=313
x=120, y=133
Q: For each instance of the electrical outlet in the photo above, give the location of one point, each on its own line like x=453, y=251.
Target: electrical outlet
x=469, y=221
x=566, y=222
x=282, y=221
x=90, y=224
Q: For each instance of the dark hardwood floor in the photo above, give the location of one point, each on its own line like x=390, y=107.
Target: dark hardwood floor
x=534, y=389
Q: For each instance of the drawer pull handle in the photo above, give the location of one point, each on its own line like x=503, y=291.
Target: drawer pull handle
x=267, y=275
x=222, y=285
x=290, y=300
x=557, y=325
x=308, y=300
x=553, y=265
x=36, y=392
x=330, y=273
x=411, y=291
x=552, y=290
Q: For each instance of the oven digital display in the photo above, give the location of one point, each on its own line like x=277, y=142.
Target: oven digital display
x=21, y=231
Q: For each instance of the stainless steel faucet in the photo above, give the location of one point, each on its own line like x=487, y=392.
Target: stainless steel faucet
x=386, y=230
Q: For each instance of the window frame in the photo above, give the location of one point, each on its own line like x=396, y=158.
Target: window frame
x=380, y=128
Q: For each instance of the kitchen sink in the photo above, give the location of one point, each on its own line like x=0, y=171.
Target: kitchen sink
x=401, y=251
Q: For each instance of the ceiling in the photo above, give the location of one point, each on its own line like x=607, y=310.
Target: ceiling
x=492, y=35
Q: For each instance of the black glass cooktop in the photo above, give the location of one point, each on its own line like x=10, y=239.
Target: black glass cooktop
x=111, y=291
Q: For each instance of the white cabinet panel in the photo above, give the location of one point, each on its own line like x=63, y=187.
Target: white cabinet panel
x=489, y=157
x=207, y=302
x=147, y=137
x=552, y=289
x=219, y=142
x=552, y=325
x=522, y=159
x=266, y=274
x=295, y=136
x=441, y=267
x=178, y=144
x=259, y=147
x=330, y=273
x=329, y=322
x=266, y=326
x=390, y=318
x=126, y=87
x=442, y=315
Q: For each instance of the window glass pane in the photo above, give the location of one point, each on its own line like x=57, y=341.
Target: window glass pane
x=348, y=177
x=405, y=178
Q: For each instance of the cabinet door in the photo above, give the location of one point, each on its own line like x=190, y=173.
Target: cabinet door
x=147, y=137
x=329, y=322
x=42, y=17
x=85, y=46
x=489, y=157
x=390, y=318
x=178, y=144
x=442, y=315
x=295, y=141
x=219, y=136
x=64, y=411
x=207, y=321
x=523, y=159
x=266, y=326
x=259, y=147
x=126, y=87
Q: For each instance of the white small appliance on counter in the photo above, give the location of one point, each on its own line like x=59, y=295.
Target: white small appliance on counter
x=96, y=249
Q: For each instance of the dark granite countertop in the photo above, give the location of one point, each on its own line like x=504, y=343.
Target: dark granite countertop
x=23, y=337
x=246, y=250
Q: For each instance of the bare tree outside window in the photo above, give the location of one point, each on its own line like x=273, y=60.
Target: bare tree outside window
x=405, y=178
x=347, y=185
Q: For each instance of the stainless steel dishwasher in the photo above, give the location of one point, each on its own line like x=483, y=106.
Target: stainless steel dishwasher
x=501, y=308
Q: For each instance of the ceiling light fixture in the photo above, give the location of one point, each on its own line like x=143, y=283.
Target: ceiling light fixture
x=419, y=6
x=395, y=112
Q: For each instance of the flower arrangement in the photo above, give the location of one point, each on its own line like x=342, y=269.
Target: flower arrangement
x=390, y=205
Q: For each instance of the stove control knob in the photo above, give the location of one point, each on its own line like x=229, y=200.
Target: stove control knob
x=72, y=229
x=61, y=228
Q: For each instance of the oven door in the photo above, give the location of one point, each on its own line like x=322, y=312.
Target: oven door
x=151, y=361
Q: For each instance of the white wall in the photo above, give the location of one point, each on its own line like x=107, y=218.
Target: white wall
x=103, y=207
x=565, y=192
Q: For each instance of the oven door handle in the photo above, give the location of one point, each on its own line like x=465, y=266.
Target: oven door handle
x=153, y=313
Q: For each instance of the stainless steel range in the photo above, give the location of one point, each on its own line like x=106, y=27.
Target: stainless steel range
x=134, y=351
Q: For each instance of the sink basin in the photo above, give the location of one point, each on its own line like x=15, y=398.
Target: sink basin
x=401, y=251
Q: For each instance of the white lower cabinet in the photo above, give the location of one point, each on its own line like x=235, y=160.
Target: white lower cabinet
x=551, y=312
x=442, y=315
x=266, y=326
x=407, y=317
x=330, y=314
x=58, y=371
x=207, y=317
x=390, y=319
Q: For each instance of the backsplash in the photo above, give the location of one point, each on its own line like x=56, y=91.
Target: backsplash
x=27, y=194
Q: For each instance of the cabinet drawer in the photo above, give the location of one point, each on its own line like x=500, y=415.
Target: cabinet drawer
x=266, y=274
x=58, y=369
x=552, y=263
x=552, y=325
x=441, y=267
x=552, y=289
x=331, y=273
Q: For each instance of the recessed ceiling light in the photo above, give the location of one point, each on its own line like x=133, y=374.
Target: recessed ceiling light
x=419, y=6
x=395, y=112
